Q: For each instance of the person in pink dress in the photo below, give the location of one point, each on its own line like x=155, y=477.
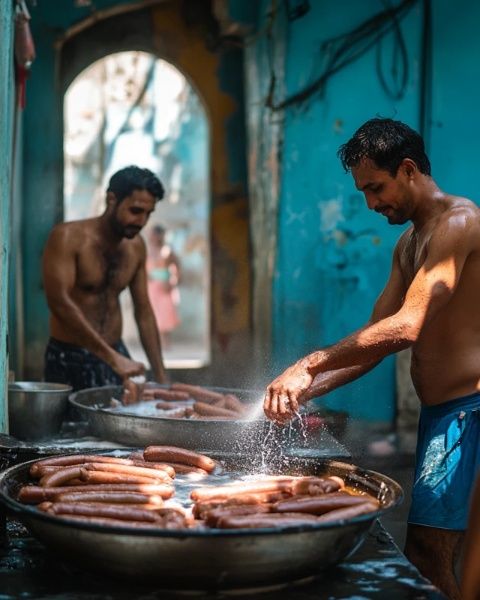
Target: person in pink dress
x=163, y=269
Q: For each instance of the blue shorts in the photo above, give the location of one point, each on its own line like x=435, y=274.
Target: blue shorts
x=447, y=463
x=66, y=363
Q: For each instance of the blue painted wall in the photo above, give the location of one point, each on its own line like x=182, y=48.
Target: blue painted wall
x=332, y=255
x=6, y=136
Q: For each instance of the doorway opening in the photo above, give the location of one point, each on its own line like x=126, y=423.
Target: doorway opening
x=134, y=108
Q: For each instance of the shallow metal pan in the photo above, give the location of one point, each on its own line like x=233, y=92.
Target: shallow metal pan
x=208, y=559
x=132, y=430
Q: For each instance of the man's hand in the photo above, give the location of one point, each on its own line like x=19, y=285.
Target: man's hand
x=126, y=367
x=285, y=393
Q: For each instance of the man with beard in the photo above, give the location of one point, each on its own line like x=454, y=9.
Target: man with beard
x=430, y=303
x=86, y=265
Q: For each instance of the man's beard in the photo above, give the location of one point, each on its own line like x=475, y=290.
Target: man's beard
x=128, y=231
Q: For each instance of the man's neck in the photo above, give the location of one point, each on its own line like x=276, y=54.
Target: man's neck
x=431, y=201
x=109, y=236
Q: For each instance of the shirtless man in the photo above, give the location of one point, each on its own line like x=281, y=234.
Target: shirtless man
x=430, y=304
x=86, y=265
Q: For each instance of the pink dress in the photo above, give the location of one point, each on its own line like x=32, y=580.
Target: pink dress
x=163, y=297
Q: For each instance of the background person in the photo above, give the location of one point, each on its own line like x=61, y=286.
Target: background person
x=86, y=265
x=163, y=268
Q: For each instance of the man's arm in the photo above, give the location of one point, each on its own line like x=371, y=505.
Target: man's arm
x=431, y=289
x=145, y=318
x=59, y=274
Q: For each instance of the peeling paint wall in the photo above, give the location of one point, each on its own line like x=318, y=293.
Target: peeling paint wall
x=332, y=256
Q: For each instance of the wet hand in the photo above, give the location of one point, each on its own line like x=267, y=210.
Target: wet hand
x=286, y=392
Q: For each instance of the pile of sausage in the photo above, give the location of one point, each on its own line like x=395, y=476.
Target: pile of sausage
x=107, y=490
x=137, y=492
x=279, y=501
x=176, y=402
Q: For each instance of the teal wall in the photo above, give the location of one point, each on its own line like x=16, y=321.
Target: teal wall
x=333, y=255
x=6, y=145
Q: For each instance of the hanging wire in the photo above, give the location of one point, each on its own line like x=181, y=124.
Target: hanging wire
x=342, y=50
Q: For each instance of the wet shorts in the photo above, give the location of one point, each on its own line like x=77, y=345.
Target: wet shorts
x=447, y=463
x=66, y=363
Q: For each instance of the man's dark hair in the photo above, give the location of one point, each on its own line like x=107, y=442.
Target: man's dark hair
x=124, y=182
x=386, y=142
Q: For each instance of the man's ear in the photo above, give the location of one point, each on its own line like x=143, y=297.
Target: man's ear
x=409, y=167
x=111, y=199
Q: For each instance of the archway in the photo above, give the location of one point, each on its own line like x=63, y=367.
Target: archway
x=133, y=108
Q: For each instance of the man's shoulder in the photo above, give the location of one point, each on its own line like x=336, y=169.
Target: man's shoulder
x=462, y=213
x=72, y=232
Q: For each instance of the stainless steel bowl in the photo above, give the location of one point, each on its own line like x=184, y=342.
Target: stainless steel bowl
x=210, y=559
x=35, y=409
x=93, y=405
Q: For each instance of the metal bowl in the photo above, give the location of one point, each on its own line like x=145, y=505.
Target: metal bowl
x=93, y=405
x=36, y=410
x=208, y=559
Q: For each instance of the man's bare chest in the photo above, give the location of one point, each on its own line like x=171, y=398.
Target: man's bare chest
x=99, y=271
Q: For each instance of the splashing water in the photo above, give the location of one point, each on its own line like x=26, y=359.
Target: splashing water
x=303, y=429
x=255, y=411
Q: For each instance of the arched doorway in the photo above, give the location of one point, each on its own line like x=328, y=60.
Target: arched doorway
x=133, y=108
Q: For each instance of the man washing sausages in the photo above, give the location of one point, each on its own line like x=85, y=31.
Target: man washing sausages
x=86, y=265
x=430, y=303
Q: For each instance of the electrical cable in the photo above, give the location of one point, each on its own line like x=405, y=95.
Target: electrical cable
x=346, y=48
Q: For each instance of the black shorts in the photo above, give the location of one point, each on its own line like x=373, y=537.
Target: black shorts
x=66, y=363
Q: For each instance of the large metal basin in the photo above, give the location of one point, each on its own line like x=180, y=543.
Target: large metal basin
x=208, y=559
x=133, y=430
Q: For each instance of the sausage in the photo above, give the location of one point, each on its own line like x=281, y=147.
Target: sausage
x=198, y=393
x=212, y=517
x=213, y=410
x=32, y=494
x=129, y=470
x=348, y=513
x=240, y=489
x=77, y=459
x=45, y=470
x=179, y=468
x=123, y=511
x=165, y=405
x=265, y=520
x=108, y=477
x=319, y=505
x=232, y=402
x=58, y=478
x=111, y=498
x=199, y=508
x=179, y=455
x=170, y=395
x=316, y=485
